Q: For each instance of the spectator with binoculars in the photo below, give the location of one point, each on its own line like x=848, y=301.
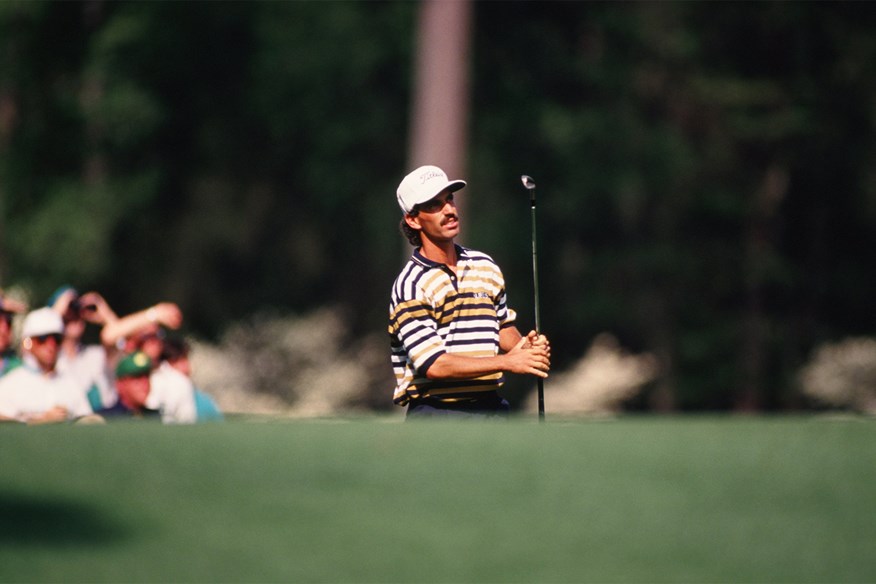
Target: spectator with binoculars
x=89, y=366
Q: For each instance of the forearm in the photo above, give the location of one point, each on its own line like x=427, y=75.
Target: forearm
x=127, y=326
x=106, y=315
x=450, y=366
x=165, y=314
x=509, y=337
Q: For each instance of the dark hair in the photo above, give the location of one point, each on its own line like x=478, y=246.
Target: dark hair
x=412, y=235
x=174, y=348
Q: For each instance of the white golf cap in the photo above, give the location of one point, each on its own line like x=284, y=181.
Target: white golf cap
x=423, y=184
x=42, y=321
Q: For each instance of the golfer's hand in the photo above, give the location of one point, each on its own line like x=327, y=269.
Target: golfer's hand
x=530, y=356
x=536, y=340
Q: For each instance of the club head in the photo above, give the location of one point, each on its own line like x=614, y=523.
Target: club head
x=527, y=182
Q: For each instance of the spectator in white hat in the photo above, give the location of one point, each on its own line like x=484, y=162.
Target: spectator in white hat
x=34, y=393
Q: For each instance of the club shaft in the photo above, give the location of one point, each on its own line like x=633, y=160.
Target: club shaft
x=535, y=272
x=537, y=303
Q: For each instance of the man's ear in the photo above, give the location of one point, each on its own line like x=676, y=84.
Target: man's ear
x=413, y=221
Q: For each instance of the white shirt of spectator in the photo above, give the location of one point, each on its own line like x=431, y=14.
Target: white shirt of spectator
x=89, y=367
x=173, y=394
x=26, y=393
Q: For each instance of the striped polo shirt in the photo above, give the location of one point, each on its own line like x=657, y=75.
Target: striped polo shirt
x=433, y=311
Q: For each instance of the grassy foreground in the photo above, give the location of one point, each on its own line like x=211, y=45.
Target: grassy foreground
x=628, y=500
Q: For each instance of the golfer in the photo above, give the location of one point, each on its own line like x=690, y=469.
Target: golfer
x=452, y=334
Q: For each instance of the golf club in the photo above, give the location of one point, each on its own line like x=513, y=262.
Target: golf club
x=529, y=184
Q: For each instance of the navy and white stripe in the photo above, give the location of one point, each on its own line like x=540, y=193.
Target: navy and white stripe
x=433, y=311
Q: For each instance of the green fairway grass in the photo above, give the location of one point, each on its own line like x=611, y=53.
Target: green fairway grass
x=376, y=500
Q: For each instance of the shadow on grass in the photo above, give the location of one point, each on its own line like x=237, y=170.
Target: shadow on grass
x=29, y=520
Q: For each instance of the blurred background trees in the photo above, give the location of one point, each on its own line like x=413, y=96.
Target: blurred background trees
x=707, y=192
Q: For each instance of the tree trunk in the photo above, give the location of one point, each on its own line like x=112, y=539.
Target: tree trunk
x=439, y=118
x=759, y=246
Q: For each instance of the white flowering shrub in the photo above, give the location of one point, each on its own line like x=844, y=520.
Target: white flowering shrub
x=843, y=374
x=598, y=383
x=294, y=365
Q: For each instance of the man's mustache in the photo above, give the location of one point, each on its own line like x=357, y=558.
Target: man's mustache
x=450, y=217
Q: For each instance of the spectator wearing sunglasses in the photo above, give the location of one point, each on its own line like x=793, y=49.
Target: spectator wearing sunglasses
x=34, y=393
x=9, y=358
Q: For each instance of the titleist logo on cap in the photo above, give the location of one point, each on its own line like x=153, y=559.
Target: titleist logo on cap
x=430, y=174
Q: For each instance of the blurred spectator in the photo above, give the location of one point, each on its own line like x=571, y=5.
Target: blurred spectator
x=9, y=358
x=89, y=366
x=34, y=393
x=132, y=384
x=171, y=392
x=176, y=354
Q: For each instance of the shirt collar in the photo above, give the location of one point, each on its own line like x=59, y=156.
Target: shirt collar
x=419, y=258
